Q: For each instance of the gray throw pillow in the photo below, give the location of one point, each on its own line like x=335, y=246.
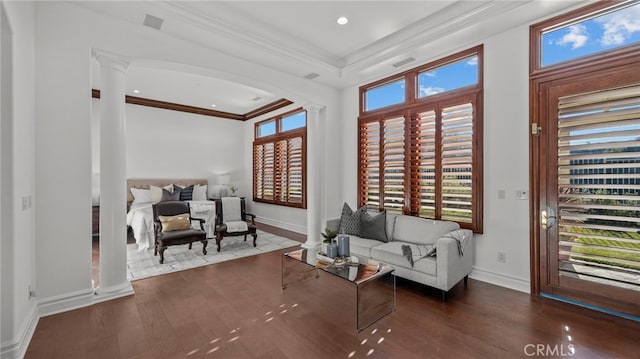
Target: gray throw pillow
x=374, y=227
x=350, y=220
x=170, y=196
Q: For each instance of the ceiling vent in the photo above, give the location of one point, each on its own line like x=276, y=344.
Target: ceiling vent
x=311, y=76
x=153, y=22
x=404, y=62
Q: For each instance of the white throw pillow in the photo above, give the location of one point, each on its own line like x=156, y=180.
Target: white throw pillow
x=199, y=192
x=156, y=192
x=141, y=195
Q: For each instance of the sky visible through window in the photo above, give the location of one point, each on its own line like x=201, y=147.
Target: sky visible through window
x=449, y=77
x=602, y=33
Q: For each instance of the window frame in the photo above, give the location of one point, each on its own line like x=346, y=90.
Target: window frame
x=409, y=110
x=573, y=65
x=277, y=137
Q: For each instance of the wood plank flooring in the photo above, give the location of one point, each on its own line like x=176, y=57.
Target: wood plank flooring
x=236, y=309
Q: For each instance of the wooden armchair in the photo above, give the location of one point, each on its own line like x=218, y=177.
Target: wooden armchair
x=233, y=220
x=172, y=226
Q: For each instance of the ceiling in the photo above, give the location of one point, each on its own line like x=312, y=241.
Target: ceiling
x=297, y=38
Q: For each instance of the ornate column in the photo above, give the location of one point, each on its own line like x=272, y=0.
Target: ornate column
x=113, y=177
x=315, y=142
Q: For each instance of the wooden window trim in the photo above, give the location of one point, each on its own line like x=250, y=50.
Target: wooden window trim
x=575, y=66
x=276, y=138
x=409, y=110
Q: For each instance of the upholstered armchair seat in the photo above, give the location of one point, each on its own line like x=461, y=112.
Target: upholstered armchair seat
x=233, y=209
x=186, y=235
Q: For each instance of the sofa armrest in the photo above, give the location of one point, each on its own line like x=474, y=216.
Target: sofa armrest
x=451, y=267
x=333, y=224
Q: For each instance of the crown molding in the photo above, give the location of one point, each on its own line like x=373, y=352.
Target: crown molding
x=424, y=32
x=134, y=100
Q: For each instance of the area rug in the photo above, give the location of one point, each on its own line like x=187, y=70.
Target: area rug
x=144, y=264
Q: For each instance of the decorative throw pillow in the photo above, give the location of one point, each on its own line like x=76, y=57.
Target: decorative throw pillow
x=170, y=196
x=174, y=223
x=350, y=220
x=374, y=227
x=141, y=195
x=199, y=193
x=156, y=192
x=186, y=193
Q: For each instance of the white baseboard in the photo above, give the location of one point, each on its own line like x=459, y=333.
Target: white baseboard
x=65, y=302
x=17, y=347
x=283, y=225
x=507, y=281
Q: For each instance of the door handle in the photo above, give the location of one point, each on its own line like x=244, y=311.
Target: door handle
x=548, y=218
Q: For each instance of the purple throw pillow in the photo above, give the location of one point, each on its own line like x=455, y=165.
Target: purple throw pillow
x=170, y=196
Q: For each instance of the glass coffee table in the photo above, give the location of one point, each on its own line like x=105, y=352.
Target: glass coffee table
x=374, y=283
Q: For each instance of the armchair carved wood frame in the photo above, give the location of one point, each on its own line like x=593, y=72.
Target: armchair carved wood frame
x=181, y=236
x=221, y=229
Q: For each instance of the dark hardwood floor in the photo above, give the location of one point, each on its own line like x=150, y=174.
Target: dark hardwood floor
x=236, y=309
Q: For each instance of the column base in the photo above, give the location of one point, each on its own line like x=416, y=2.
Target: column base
x=112, y=292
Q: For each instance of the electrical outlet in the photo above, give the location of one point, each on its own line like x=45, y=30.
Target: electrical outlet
x=32, y=293
x=25, y=203
x=502, y=257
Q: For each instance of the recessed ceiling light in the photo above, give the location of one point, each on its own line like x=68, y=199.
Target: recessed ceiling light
x=213, y=105
x=136, y=91
x=342, y=20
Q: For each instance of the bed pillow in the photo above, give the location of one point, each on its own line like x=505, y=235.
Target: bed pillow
x=141, y=195
x=186, y=193
x=199, y=193
x=174, y=223
x=156, y=192
x=170, y=196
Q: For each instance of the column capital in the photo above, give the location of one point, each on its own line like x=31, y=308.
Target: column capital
x=313, y=107
x=111, y=60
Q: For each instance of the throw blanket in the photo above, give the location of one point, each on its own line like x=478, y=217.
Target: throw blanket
x=461, y=236
x=231, y=209
x=236, y=226
x=415, y=252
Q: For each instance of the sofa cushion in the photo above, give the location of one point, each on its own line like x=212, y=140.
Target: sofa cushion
x=391, y=253
x=362, y=246
x=420, y=230
x=350, y=220
x=374, y=226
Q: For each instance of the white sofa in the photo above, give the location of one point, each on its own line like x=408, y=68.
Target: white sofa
x=453, y=256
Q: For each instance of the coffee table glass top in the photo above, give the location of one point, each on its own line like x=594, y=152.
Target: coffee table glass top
x=353, y=272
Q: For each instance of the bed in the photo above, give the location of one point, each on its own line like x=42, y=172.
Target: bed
x=142, y=193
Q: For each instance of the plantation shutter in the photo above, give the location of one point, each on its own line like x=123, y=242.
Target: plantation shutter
x=294, y=170
x=393, y=161
x=599, y=186
x=457, y=163
x=423, y=165
x=370, y=164
x=265, y=170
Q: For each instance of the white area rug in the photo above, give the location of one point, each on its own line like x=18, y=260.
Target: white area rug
x=176, y=258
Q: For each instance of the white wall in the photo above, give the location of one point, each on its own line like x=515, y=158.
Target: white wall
x=171, y=144
x=18, y=310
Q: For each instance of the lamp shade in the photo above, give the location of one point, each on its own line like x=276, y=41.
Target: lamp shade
x=224, y=179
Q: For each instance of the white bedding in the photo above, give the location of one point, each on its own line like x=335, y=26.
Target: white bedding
x=140, y=218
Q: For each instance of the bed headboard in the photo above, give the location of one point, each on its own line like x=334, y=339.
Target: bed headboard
x=160, y=182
